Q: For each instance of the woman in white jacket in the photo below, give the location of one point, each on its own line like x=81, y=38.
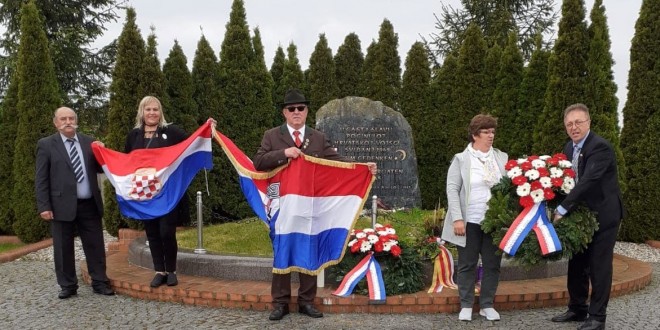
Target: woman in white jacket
x=471, y=175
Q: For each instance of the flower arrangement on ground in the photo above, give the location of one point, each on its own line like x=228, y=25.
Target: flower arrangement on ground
x=380, y=239
x=522, y=202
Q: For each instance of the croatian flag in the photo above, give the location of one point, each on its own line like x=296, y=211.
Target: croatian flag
x=309, y=204
x=149, y=183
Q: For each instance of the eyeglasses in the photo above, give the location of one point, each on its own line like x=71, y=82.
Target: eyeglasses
x=577, y=123
x=300, y=108
x=487, y=131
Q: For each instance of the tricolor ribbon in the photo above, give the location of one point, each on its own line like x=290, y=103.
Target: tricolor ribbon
x=367, y=266
x=532, y=217
x=443, y=270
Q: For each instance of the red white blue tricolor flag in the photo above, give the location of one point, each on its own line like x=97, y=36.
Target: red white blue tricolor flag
x=149, y=183
x=309, y=204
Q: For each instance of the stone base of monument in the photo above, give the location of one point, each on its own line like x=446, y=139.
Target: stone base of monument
x=242, y=268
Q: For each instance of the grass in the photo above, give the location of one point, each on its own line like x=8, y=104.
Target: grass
x=249, y=237
x=4, y=247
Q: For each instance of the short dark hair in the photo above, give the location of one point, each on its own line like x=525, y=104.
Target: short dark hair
x=576, y=107
x=479, y=122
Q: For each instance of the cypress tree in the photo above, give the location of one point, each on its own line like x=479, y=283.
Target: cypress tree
x=207, y=96
x=8, y=126
x=505, y=97
x=293, y=76
x=348, y=65
x=492, y=66
x=124, y=99
x=601, y=89
x=417, y=108
x=531, y=100
x=277, y=73
x=641, y=115
x=366, y=74
x=264, y=82
x=38, y=97
x=567, y=80
x=321, y=77
x=385, y=83
x=179, y=87
x=152, y=79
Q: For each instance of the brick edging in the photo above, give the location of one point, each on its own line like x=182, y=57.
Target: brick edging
x=23, y=250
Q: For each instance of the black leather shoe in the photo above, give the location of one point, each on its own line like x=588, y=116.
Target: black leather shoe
x=278, y=313
x=591, y=324
x=310, y=311
x=171, y=279
x=67, y=293
x=104, y=290
x=158, y=280
x=569, y=316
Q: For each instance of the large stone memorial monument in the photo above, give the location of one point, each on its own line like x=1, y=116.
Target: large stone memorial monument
x=368, y=131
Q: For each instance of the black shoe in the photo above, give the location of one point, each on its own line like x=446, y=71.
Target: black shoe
x=158, y=280
x=310, y=311
x=104, y=290
x=278, y=313
x=171, y=279
x=67, y=293
x=591, y=324
x=570, y=316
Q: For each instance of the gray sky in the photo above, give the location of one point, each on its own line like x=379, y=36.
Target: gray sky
x=301, y=21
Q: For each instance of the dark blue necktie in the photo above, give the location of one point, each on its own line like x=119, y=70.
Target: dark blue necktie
x=75, y=161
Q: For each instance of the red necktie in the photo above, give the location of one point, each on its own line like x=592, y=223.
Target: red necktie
x=297, y=139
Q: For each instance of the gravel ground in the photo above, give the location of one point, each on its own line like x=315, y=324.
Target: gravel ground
x=28, y=300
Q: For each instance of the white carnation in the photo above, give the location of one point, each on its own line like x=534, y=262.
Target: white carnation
x=523, y=189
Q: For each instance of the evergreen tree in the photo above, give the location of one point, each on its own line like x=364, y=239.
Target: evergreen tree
x=601, y=88
x=366, y=74
x=385, y=83
x=443, y=89
x=416, y=107
x=505, y=98
x=641, y=115
x=207, y=96
x=492, y=67
x=531, y=100
x=124, y=99
x=152, y=79
x=263, y=80
x=567, y=78
x=348, y=65
x=179, y=87
x=277, y=73
x=293, y=76
x=321, y=77
x=8, y=125
x=38, y=97
x=242, y=118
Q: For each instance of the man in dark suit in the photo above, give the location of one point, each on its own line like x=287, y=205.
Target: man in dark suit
x=291, y=140
x=596, y=185
x=68, y=196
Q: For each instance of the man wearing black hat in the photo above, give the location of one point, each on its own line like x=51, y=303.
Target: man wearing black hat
x=291, y=140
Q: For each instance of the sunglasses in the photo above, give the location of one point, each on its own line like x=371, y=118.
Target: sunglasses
x=300, y=108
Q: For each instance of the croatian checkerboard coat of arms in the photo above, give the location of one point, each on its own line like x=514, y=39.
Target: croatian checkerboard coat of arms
x=145, y=184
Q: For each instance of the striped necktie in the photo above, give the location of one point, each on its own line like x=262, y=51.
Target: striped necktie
x=75, y=161
x=575, y=160
x=297, y=140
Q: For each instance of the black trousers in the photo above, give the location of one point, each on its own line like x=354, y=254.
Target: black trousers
x=161, y=233
x=90, y=228
x=280, y=289
x=594, y=265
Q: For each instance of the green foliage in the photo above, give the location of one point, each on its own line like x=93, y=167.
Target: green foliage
x=531, y=100
x=575, y=230
x=348, y=65
x=124, y=99
x=505, y=97
x=277, y=73
x=641, y=110
x=179, y=87
x=292, y=76
x=4, y=247
x=383, y=80
x=8, y=125
x=492, y=67
x=321, y=78
x=367, y=72
x=152, y=79
x=567, y=79
x=38, y=97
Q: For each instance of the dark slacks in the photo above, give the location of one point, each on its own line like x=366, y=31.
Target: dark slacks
x=477, y=244
x=592, y=265
x=281, y=289
x=90, y=228
x=161, y=233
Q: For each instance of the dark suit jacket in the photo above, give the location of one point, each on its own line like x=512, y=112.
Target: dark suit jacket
x=271, y=152
x=598, y=184
x=55, y=182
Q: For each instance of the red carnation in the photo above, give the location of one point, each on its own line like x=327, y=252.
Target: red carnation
x=569, y=172
x=557, y=182
x=356, y=247
x=378, y=247
x=543, y=171
x=395, y=250
x=526, y=166
x=519, y=180
x=552, y=161
x=560, y=156
x=526, y=201
x=535, y=185
x=532, y=157
x=548, y=194
x=510, y=164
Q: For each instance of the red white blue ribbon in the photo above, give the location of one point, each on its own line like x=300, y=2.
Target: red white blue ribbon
x=532, y=217
x=369, y=267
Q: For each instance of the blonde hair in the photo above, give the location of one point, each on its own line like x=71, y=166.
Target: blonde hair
x=139, y=118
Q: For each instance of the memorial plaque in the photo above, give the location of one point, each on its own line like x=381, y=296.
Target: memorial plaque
x=368, y=131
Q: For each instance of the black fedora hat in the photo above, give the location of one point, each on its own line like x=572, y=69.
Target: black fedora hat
x=294, y=96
